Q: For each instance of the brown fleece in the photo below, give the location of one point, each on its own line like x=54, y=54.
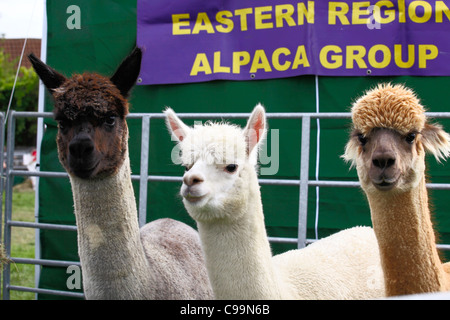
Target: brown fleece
x=388, y=106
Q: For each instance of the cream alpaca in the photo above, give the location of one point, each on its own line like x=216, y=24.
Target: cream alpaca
x=220, y=191
x=163, y=260
x=390, y=137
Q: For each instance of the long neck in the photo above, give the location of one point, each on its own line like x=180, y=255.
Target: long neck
x=111, y=254
x=238, y=255
x=407, y=242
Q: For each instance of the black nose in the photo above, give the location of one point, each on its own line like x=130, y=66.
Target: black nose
x=81, y=147
x=383, y=161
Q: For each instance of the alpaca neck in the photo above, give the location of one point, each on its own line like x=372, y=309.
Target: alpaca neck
x=407, y=242
x=111, y=254
x=237, y=252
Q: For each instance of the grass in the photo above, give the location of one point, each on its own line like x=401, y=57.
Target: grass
x=22, y=241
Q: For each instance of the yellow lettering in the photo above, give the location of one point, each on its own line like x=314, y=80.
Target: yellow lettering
x=336, y=59
x=390, y=14
x=441, y=8
x=240, y=58
x=260, y=62
x=337, y=10
x=276, y=59
x=202, y=24
x=201, y=64
x=300, y=58
x=177, y=24
x=243, y=17
x=357, y=12
x=427, y=10
x=226, y=25
x=217, y=67
x=305, y=13
x=355, y=54
x=426, y=52
x=260, y=17
x=386, y=56
x=284, y=13
x=401, y=11
x=398, y=56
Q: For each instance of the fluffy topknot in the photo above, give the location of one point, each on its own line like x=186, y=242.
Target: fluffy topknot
x=388, y=106
x=89, y=94
x=214, y=142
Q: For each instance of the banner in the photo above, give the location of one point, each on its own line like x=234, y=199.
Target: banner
x=196, y=40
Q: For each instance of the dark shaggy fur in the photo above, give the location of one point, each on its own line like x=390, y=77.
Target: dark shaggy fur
x=90, y=110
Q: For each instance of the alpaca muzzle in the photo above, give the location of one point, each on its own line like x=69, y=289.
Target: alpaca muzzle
x=384, y=172
x=83, y=159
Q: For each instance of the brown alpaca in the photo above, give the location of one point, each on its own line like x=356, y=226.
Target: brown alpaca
x=390, y=137
x=162, y=260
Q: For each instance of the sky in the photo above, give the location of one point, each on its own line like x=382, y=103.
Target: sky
x=21, y=18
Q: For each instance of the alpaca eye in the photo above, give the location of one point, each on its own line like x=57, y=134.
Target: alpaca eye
x=231, y=168
x=362, y=139
x=63, y=125
x=110, y=121
x=410, y=137
x=187, y=167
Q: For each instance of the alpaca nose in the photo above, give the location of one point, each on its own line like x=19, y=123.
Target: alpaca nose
x=383, y=160
x=191, y=179
x=81, y=147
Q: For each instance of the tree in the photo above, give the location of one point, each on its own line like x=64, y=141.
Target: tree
x=25, y=97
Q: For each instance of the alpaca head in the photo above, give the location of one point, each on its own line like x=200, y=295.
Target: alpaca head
x=90, y=110
x=217, y=158
x=390, y=137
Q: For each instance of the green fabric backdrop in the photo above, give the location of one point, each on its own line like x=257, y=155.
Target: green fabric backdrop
x=108, y=34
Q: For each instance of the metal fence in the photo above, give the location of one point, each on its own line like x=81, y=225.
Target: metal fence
x=8, y=173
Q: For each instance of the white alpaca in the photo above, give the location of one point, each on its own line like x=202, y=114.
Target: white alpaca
x=163, y=260
x=220, y=191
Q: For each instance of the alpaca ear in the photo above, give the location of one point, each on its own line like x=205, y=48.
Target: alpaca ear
x=176, y=127
x=436, y=141
x=127, y=73
x=49, y=76
x=255, y=130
